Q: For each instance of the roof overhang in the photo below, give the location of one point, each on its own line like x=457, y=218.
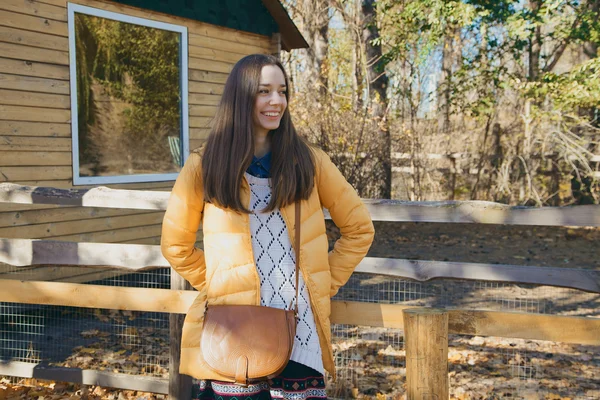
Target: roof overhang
x=291, y=38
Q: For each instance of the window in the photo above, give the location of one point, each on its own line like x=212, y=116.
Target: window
x=129, y=108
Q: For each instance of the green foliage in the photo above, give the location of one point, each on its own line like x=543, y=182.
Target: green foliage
x=578, y=89
x=140, y=66
x=415, y=29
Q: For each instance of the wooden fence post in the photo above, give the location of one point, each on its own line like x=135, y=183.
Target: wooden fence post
x=426, y=344
x=180, y=386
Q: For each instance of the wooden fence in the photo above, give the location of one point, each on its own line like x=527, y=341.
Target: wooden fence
x=426, y=372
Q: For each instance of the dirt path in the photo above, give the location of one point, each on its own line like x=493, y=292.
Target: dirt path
x=518, y=245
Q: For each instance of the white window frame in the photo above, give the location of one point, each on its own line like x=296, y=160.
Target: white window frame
x=183, y=55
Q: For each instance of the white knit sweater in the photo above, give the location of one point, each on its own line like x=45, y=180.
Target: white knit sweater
x=275, y=261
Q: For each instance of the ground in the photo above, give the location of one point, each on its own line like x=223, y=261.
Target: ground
x=502, y=244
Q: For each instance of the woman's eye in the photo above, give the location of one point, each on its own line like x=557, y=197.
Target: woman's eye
x=263, y=91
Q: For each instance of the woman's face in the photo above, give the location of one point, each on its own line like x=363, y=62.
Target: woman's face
x=270, y=101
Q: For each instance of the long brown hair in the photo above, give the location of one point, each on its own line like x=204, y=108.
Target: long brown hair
x=230, y=146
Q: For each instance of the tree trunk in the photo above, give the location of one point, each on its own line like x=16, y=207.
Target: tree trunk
x=315, y=29
x=535, y=43
x=378, y=81
x=444, y=86
x=591, y=47
x=314, y=26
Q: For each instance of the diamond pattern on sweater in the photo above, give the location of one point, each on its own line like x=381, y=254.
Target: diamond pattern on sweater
x=276, y=265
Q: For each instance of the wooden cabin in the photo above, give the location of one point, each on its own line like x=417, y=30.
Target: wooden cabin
x=115, y=93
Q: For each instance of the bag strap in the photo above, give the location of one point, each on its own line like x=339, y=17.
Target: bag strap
x=297, y=240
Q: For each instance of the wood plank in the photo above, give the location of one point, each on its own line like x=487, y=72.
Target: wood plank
x=179, y=385
x=131, y=257
x=109, y=297
x=33, y=84
x=381, y=210
x=219, y=43
x=565, y=329
x=17, y=174
x=33, y=39
x=426, y=346
x=34, y=158
x=204, y=99
x=18, y=143
x=155, y=240
x=34, y=69
x=554, y=328
x=205, y=87
x=198, y=111
x=114, y=236
x=33, y=99
x=482, y=212
x=8, y=207
x=209, y=65
x=582, y=279
x=59, y=184
x=60, y=3
x=52, y=229
x=214, y=54
x=34, y=114
x=35, y=24
x=85, y=377
x=23, y=128
x=96, y=197
x=50, y=253
x=35, y=8
x=165, y=186
x=207, y=76
x=21, y=52
x=30, y=217
x=200, y=122
x=199, y=133
x=196, y=143
x=252, y=39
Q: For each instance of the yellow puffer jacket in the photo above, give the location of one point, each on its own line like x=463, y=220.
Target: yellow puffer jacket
x=225, y=272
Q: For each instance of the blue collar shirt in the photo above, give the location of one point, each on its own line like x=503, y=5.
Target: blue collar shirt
x=260, y=167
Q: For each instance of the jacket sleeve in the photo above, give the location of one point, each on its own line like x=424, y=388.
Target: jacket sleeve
x=350, y=215
x=181, y=222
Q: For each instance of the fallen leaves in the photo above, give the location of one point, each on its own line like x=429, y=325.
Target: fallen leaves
x=479, y=368
x=44, y=390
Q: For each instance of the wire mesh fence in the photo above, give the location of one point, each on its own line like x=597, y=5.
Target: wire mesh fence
x=370, y=361
x=108, y=340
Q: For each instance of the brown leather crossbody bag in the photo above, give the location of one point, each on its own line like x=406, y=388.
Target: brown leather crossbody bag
x=242, y=343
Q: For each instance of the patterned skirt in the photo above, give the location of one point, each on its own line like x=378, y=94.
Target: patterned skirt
x=297, y=382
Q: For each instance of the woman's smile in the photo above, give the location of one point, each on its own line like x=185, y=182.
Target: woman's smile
x=271, y=100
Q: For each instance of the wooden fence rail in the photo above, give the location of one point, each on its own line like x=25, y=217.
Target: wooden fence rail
x=481, y=212
x=567, y=329
x=139, y=257
x=27, y=253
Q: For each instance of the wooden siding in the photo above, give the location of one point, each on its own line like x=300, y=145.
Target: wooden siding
x=35, y=116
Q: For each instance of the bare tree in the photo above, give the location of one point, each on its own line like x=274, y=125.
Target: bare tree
x=377, y=82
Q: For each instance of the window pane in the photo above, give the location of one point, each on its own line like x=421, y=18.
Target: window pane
x=128, y=94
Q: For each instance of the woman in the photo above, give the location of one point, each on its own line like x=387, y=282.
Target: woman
x=243, y=186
